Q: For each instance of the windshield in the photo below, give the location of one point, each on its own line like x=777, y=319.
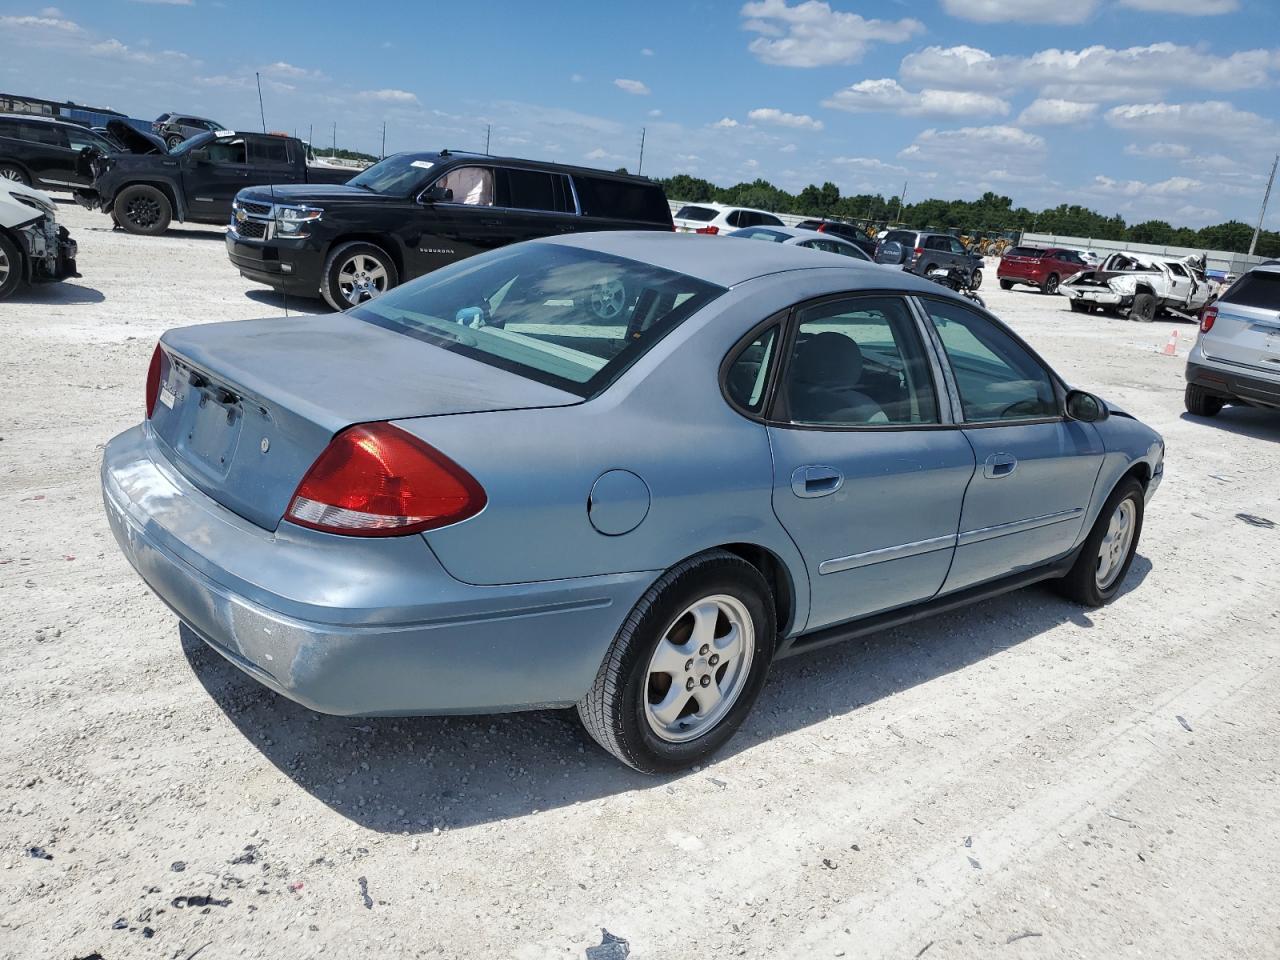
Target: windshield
x=398, y=176
x=186, y=145
x=571, y=318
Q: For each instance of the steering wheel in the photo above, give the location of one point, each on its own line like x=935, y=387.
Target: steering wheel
x=1030, y=407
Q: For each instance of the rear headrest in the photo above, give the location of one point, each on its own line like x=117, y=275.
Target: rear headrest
x=828, y=358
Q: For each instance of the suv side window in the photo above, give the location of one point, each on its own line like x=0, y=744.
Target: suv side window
x=227, y=150
x=537, y=190
x=737, y=218
x=938, y=243
x=768, y=219
x=997, y=378
x=79, y=139
x=45, y=133
x=269, y=151
x=859, y=361
x=472, y=186
x=957, y=246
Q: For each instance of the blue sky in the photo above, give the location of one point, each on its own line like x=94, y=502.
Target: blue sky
x=1150, y=108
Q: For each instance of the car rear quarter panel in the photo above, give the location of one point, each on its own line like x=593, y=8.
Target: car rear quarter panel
x=708, y=469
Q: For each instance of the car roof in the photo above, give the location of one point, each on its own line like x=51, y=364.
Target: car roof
x=722, y=261
x=57, y=121
x=448, y=156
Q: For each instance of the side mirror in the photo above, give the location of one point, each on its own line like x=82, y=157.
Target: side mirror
x=437, y=195
x=1085, y=407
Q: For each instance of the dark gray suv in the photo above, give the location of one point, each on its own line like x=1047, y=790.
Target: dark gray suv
x=918, y=252
x=173, y=128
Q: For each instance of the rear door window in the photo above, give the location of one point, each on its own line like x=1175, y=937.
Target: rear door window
x=768, y=219
x=537, y=190
x=1258, y=288
x=45, y=133
x=736, y=219
x=623, y=199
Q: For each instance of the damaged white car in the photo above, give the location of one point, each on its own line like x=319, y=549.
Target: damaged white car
x=1142, y=286
x=33, y=248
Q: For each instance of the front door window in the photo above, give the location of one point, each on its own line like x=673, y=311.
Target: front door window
x=471, y=186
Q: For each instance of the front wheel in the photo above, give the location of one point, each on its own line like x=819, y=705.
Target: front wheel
x=1050, y=285
x=975, y=281
x=1006, y=284
x=14, y=174
x=686, y=666
x=356, y=272
x=1108, y=551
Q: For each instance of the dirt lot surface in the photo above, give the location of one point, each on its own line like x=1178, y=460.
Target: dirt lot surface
x=1025, y=779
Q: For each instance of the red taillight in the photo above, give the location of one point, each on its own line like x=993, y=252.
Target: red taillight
x=153, y=380
x=918, y=250
x=709, y=230
x=822, y=228
x=376, y=480
x=1207, y=317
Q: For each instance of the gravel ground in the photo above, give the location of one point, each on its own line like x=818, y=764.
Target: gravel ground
x=1022, y=779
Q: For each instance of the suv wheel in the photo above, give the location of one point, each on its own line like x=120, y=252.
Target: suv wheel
x=1104, y=559
x=356, y=272
x=144, y=210
x=1050, y=284
x=686, y=666
x=172, y=140
x=1144, y=308
x=1200, y=403
x=14, y=173
x=1006, y=284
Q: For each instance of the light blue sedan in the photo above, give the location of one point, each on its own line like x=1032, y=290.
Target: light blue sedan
x=473, y=494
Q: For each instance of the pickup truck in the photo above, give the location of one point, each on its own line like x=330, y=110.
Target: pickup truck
x=196, y=181
x=1141, y=285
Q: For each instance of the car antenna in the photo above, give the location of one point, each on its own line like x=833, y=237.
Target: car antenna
x=262, y=111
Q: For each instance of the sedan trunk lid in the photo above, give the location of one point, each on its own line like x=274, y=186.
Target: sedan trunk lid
x=245, y=408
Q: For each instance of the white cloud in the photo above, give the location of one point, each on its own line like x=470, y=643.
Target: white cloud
x=646, y=52
x=282, y=69
x=1093, y=73
x=1195, y=121
x=634, y=87
x=600, y=154
x=1174, y=186
x=789, y=148
x=771, y=115
x=1025, y=11
x=889, y=95
x=971, y=152
x=576, y=78
x=53, y=12
x=655, y=113
x=811, y=34
x=119, y=51
x=1190, y=8
x=390, y=96
x=1158, y=151
x=726, y=123
x=870, y=164
x=41, y=23
x=1050, y=111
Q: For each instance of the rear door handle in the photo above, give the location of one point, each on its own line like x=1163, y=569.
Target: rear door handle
x=816, y=481
x=999, y=465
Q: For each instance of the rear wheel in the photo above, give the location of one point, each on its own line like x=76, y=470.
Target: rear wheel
x=10, y=267
x=1050, y=285
x=1006, y=284
x=1200, y=403
x=14, y=173
x=356, y=272
x=1144, y=308
x=1079, y=306
x=1104, y=559
x=686, y=666
x=975, y=281
x=172, y=141
x=144, y=210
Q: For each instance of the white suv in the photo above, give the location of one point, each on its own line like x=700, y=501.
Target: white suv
x=717, y=218
x=1236, y=358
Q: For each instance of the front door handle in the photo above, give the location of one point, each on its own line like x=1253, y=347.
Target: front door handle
x=816, y=481
x=999, y=465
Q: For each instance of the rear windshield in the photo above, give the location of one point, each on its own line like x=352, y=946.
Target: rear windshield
x=903, y=237
x=396, y=176
x=571, y=318
x=1034, y=252
x=1257, y=288
x=696, y=213
x=622, y=200
x=761, y=233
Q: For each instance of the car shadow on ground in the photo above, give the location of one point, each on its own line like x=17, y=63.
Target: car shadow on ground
x=53, y=293
x=1245, y=421
x=294, y=304
x=415, y=774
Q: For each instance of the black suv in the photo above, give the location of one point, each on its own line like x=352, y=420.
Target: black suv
x=43, y=152
x=173, y=128
x=414, y=212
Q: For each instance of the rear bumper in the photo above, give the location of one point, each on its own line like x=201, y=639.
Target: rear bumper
x=1232, y=384
x=291, y=270
x=1100, y=295
x=349, y=626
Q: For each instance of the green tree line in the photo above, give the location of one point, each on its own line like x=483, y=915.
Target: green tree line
x=990, y=212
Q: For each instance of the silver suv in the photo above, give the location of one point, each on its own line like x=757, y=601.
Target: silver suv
x=173, y=128
x=1236, y=358
x=919, y=252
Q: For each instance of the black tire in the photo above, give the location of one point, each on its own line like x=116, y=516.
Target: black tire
x=14, y=174
x=335, y=274
x=1081, y=583
x=12, y=271
x=975, y=281
x=1201, y=404
x=172, y=141
x=1050, y=285
x=1144, y=308
x=1006, y=284
x=143, y=209
x=1079, y=306
x=925, y=272
x=614, y=709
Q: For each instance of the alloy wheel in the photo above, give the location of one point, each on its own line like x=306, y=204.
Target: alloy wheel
x=608, y=297
x=362, y=278
x=11, y=173
x=5, y=267
x=143, y=211
x=699, y=668
x=1115, y=544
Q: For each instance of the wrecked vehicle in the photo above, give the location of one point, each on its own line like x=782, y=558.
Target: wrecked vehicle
x=1141, y=286
x=197, y=181
x=52, y=154
x=33, y=248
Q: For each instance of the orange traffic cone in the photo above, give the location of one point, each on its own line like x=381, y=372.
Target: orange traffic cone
x=1171, y=348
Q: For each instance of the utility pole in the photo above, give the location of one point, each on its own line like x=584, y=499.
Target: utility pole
x=383, y=154
x=311, y=137
x=902, y=201
x=488, y=129
x=334, y=154
x=1266, y=198
x=640, y=165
